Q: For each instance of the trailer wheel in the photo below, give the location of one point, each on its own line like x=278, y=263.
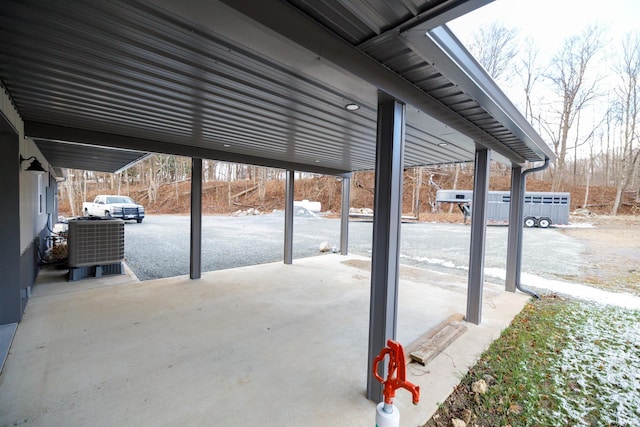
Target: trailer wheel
x=530, y=222
x=544, y=222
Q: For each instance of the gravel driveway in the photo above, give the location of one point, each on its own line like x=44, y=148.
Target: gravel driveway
x=159, y=247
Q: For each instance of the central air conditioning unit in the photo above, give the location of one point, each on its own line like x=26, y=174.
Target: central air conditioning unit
x=96, y=247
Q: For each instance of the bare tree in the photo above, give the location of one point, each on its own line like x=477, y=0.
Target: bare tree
x=152, y=189
x=495, y=47
x=71, y=191
x=571, y=83
x=628, y=102
x=530, y=74
x=590, y=168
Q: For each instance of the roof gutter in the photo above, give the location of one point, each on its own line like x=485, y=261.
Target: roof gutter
x=443, y=47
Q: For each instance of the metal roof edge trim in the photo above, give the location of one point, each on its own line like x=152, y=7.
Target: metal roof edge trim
x=442, y=14
x=473, y=77
x=433, y=18
x=131, y=164
x=88, y=137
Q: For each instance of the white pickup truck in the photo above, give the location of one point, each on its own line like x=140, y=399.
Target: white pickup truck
x=114, y=207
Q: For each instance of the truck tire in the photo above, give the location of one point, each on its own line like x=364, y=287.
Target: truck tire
x=86, y=212
x=107, y=214
x=544, y=222
x=138, y=220
x=530, y=222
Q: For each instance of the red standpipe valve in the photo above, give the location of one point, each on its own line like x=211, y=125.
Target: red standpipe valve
x=396, y=373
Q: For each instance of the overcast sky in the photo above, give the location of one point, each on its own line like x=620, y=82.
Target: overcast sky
x=549, y=22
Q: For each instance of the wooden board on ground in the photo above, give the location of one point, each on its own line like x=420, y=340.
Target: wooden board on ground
x=428, y=346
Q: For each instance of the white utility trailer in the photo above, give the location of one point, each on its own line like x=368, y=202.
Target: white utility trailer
x=541, y=209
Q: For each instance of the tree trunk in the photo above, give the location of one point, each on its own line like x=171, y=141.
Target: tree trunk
x=262, y=184
x=71, y=194
x=586, y=192
x=455, y=183
x=126, y=175
x=177, y=195
x=84, y=186
x=618, y=199
x=152, y=189
x=416, y=192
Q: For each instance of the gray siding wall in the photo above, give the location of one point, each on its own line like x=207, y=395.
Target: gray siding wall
x=29, y=261
x=10, y=306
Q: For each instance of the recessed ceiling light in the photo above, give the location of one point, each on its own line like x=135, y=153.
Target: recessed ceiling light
x=227, y=145
x=442, y=144
x=317, y=161
x=352, y=107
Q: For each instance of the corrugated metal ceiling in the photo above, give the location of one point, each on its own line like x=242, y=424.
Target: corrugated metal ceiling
x=75, y=156
x=138, y=69
x=359, y=21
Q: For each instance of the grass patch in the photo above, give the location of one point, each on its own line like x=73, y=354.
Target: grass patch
x=561, y=362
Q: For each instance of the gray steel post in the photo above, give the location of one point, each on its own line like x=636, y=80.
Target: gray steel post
x=344, y=216
x=195, y=264
x=515, y=228
x=10, y=298
x=386, y=234
x=478, y=236
x=288, y=218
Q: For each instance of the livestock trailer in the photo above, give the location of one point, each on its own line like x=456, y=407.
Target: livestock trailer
x=541, y=209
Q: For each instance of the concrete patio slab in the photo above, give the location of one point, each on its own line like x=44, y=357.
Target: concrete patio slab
x=7, y=333
x=272, y=345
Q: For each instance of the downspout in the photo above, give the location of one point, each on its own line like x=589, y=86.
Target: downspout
x=523, y=187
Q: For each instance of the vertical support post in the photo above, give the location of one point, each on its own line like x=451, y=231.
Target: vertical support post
x=10, y=297
x=385, y=258
x=344, y=216
x=288, y=218
x=478, y=236
x=195, y=264
x=515, y=229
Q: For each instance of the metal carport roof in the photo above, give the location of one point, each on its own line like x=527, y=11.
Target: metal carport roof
x=254, y=82
x=268, y=83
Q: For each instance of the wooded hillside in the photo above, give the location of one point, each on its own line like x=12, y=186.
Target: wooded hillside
x=162, y=184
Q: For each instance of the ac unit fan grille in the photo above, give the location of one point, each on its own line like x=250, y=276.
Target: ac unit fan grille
x=95, y=242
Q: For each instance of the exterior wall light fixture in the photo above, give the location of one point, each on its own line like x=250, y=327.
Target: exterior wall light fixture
x=35, y=165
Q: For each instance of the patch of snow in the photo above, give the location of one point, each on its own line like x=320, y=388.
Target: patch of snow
x=575, y=225
x=434, y=261
x=589, y=359
x=575, y=290
x=528, y=280
x=584, y=292
x=498, y=273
